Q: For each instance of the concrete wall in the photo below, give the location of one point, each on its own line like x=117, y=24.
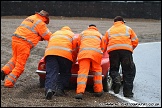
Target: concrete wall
x=100, y=9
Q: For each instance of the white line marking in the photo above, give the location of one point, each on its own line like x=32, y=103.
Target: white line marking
x=123, y=98
x=127, y=100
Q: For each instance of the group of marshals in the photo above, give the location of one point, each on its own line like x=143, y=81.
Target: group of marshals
x=60, y=54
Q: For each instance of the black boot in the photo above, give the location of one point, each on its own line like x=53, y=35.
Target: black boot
x=49, y=94
x=98, y=94
x=128, y=94
x=2, y=75
x=116, y=85
x=79, y=96
x=127, y=91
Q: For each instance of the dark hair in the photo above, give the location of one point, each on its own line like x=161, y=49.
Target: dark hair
x=92, y=25
x=119, y=18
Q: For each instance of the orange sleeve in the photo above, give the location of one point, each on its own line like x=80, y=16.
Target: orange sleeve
x=106, y=39
x=103, y=44
x=134, y=39
x=44, y=32
x=75, y=47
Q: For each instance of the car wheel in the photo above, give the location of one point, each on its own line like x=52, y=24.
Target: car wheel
x=107, y=83
x=41, y=82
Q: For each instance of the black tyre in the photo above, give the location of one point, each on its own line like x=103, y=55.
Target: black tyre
x=41, y=82
x=107, y=83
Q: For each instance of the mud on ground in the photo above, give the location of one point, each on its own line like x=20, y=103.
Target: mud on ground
x=27, y=92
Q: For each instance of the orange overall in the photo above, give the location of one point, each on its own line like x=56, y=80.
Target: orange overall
x=91, y=47
x=32, y=30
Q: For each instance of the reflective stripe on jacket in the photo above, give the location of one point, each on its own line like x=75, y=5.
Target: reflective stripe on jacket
x=33, y=29
x=61, y=43
x=120, y=36
x=90, y=44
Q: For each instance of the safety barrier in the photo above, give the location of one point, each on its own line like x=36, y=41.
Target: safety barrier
x=100, y=9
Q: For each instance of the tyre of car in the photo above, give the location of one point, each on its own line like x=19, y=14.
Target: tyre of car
x=41, y=82
x=107, y=83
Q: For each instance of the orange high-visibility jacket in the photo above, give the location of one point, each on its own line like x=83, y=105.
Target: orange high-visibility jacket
x=62, y=43
x=33, y=29
x=120, y=36
x=91, y=44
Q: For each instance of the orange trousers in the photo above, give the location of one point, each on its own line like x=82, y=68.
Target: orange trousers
x=84, y=66
x=15, y=66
